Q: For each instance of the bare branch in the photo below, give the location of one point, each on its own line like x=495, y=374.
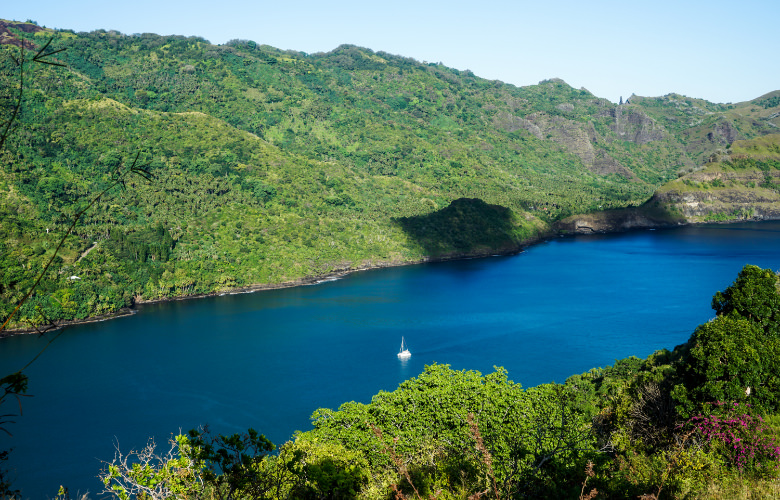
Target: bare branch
x=147, y=474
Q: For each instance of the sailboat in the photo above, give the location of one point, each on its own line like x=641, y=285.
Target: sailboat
x=404, y=352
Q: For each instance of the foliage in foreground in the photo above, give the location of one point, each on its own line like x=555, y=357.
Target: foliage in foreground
x=671, y=426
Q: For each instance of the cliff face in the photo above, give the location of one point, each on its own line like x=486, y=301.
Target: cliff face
x=706, y=196
x=8, y=38
x=723, y=196
x=578, y=138
x=589, y=142
x=612, y=221
x=745, y=185
x=633, y=125
x=742, y=183
x=704, y=128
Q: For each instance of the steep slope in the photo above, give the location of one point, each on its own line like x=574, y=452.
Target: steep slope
x=742, y=183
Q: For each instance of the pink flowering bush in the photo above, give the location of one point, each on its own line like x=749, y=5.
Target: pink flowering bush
x=742, y=438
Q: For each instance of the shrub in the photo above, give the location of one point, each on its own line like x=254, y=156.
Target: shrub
x=753, y=296
x=325, y=469
x=740, y=437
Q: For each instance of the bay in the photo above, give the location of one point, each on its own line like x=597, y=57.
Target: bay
x=267, y=360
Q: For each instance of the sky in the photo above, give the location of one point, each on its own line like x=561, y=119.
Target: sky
x=718, y=50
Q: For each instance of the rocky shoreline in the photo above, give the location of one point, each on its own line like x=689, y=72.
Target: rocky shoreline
x=616, y=221
x=125, y=311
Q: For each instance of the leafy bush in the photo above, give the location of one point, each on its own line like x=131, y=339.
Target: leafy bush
x=324, y=469
x=536, y=439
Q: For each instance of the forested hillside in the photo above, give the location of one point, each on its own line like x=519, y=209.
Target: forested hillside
x=268, y=167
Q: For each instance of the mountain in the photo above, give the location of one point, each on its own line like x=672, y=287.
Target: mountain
x=271, y=167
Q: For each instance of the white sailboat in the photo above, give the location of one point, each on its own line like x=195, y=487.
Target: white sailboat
x=404, y=352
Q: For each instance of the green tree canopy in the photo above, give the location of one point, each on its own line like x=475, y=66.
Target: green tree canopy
x=736, y=356
x=732, y=360
x=754, y=296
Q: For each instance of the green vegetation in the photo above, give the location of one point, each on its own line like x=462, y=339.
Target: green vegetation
x=698, y=422
x=763, y=150
x=704, y=128
x=767, y=101
x=469, y=226
x=273, y=166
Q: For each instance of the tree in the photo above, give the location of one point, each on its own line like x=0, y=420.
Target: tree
x=531, y=436
x=40, y=57
x=232, y=465
x=736, y=356
x=200, y=465
x=753, y=296
x=148, y=474
x=323, y=469
x=731, y=359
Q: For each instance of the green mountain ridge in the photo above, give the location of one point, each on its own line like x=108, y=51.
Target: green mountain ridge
x=273, y=166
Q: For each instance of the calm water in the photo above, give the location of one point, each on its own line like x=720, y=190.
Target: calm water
x=267, y=360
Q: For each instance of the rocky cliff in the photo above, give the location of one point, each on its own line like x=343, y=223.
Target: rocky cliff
x=612, y=221
x=741, y=183
x=723, y=196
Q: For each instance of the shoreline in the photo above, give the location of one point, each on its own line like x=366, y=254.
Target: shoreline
x=564, y=228
x=52, y=327
x=304, y=281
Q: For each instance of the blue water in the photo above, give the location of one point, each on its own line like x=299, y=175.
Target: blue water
x=267, y=360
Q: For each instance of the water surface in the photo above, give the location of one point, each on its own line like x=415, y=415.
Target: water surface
x=267, y=360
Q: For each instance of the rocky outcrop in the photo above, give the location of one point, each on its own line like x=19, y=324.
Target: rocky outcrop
x=612, y=221
x=512, y=123
x=633, y=125
x=7, y=37
x=711, y=195
x=568, y=133
x=577, y=138
x=724, y=204
x=724, y=133
x=604, y=164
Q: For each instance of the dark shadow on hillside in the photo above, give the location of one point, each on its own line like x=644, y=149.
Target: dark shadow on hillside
x=466, y=226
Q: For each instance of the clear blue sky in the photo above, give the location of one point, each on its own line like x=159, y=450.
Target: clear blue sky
x=722, y=51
